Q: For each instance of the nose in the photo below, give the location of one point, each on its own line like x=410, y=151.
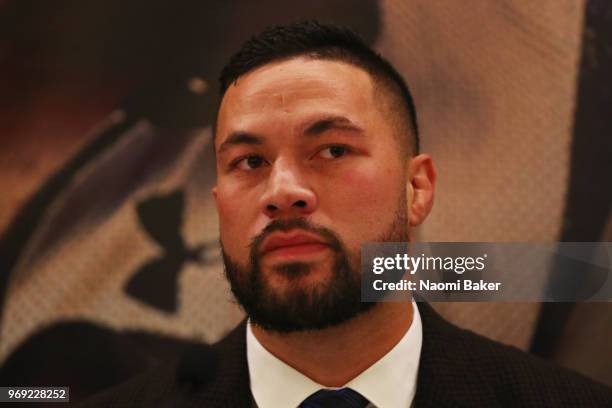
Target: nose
x=287, y=194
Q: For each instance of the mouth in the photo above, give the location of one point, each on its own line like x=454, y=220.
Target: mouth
x=294, y=245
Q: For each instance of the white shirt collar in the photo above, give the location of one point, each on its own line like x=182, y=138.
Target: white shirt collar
x=390, y=382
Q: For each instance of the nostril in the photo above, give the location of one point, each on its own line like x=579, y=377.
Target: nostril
x=271, y=207
x=300, y=203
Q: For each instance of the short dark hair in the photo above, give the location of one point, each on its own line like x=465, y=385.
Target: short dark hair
x=326, y=42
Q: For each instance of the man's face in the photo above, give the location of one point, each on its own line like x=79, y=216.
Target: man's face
x=308, y=169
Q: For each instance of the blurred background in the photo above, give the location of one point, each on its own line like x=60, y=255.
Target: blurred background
x=109, y=261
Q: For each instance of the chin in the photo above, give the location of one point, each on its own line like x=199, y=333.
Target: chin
x=299, y=275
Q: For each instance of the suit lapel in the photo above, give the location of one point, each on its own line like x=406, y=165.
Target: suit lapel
x=446, y=376
x=230, y=386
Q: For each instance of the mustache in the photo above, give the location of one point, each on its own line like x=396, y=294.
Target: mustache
x=284, y=225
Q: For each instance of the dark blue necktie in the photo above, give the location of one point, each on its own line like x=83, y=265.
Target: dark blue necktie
x=342, y=398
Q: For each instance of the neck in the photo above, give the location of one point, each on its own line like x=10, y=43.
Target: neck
x=334, y=356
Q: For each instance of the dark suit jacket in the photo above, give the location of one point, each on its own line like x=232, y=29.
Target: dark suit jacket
x=458, y=368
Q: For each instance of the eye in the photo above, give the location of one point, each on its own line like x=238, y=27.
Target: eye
x=334, y=151
x=248, y=163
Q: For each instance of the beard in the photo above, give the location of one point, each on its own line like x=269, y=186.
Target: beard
x=305, y=307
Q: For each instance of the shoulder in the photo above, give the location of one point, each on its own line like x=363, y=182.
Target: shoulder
x=205, y=375
x=146, y=389
x=479, y=369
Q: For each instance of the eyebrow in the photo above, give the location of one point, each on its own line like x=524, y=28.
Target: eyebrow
x=314, y=129
x=238, y=138
x=332, y=122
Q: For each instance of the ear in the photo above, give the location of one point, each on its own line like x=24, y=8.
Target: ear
x=214, y=193
x=420, y=188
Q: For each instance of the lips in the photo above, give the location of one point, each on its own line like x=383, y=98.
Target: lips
x=286, y=241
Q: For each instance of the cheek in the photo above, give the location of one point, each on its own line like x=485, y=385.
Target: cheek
x=234, y=201
x=369, y=188
x=233, y=217
x=225, y=208
x=363, y=203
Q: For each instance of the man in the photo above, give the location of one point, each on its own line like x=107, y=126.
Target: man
x=317, y=152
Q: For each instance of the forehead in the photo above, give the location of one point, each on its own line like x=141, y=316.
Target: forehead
x=294, y=89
